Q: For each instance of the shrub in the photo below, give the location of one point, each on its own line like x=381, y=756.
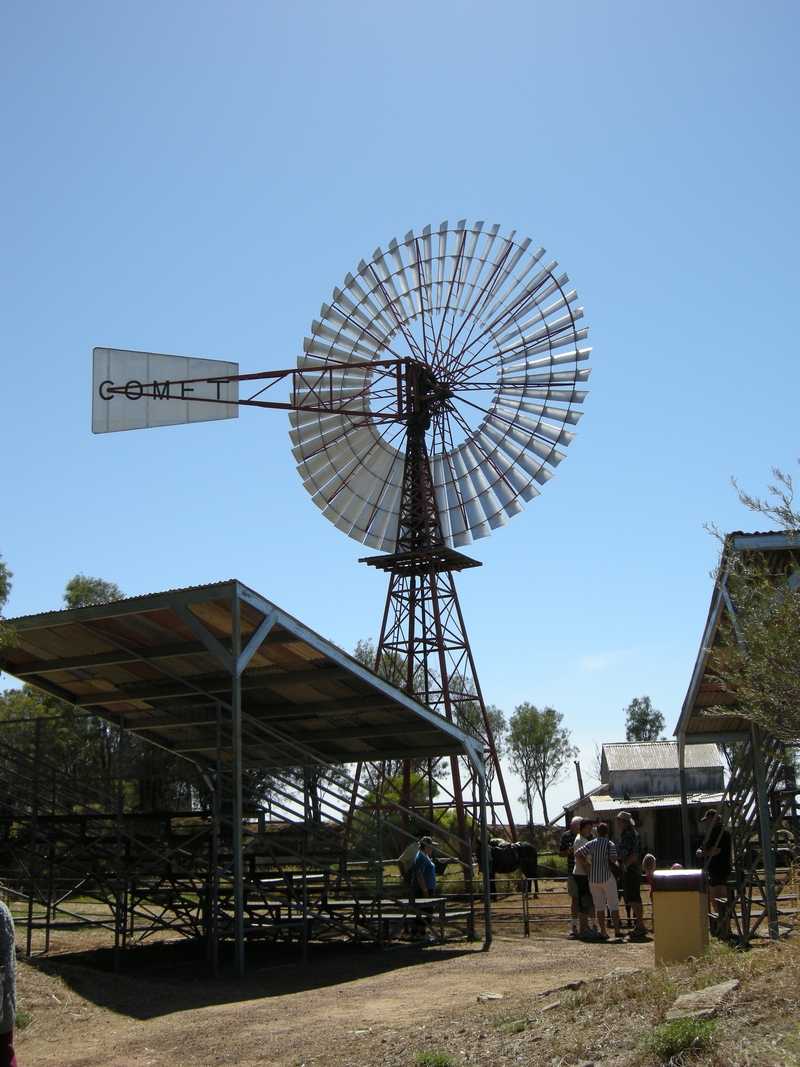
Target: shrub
x=680, y=1035
x=433, y=1059
x=22, y=1019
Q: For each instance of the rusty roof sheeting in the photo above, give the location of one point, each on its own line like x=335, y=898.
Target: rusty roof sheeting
x=162, y=663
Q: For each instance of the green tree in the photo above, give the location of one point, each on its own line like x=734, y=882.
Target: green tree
x=81, y=591
x=7, y=635
x=539, y=748
x=643, y=722
x=760, y=645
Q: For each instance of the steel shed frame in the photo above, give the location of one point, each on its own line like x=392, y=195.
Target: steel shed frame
x=221, y=676
x=762, y=792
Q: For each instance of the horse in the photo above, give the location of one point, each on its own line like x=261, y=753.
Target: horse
x=508, y=856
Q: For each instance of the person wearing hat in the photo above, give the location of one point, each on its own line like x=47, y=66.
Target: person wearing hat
x=423, y=871
x=629, y=851
x=716, y=857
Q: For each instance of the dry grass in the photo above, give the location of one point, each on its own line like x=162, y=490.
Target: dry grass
x=609, y=1021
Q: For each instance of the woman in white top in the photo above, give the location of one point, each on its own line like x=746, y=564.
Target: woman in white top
x=601, y=855
x=586, y=909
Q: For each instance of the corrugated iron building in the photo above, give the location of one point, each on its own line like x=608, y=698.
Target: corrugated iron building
x=644, y=779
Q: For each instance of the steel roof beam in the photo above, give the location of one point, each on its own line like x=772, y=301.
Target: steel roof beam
x=220, y=684
x=391, y=729
x=110, y=659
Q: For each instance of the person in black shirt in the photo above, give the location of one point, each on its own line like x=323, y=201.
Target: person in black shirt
x=717, y=859
x=565, y=849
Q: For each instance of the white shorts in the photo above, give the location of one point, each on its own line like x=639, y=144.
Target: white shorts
x=605, y=893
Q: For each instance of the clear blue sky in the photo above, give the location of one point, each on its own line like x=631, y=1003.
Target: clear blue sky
x=195, y=178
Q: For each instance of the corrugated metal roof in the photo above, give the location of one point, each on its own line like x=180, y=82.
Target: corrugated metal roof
x=659, y=755
x=162, y=664
x=579, y=800
x=781, y=550
x=605, y=805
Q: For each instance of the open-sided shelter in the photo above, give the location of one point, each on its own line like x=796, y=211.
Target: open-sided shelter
x=760, y=800
x=221, y=676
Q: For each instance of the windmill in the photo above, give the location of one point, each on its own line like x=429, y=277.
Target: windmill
x=433, y=399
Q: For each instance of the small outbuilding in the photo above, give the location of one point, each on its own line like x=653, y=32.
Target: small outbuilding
x=644, y=779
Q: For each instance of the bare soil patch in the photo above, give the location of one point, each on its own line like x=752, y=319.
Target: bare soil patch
x=353, y=1007
x=345, y=1006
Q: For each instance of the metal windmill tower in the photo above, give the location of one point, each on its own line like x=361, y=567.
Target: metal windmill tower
x=489, y=338
x=433, y=397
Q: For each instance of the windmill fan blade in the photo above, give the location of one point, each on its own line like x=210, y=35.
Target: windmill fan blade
x=497, y=327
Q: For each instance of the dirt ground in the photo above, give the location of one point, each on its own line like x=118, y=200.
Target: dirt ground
x=346, y=1006
x=564, y=1004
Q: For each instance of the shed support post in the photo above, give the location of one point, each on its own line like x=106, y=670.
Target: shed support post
x=120, y=911
x=765, y=833
x=238, y=856
x=687, y=831
x=34, y=827
x=216, y=800
x=304, y=856
x=487, y=885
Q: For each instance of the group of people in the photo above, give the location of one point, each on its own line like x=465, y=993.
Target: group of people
x=597, y=870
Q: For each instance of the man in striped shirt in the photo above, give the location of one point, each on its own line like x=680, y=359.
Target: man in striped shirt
x=600, y=856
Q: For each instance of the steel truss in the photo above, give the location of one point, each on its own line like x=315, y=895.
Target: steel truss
x=304, y=866
x=760, y=804
x=423, y=645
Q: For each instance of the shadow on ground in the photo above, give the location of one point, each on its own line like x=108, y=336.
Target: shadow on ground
x=160, y=979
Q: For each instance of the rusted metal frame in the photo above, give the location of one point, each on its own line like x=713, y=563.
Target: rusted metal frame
x=489, y=332
x=448, y=710
x=482, y=364
x=425, y=306
x=449, y=312
x=399, y=321
x=486, y=724
x=306, y=380
x=469, y=318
